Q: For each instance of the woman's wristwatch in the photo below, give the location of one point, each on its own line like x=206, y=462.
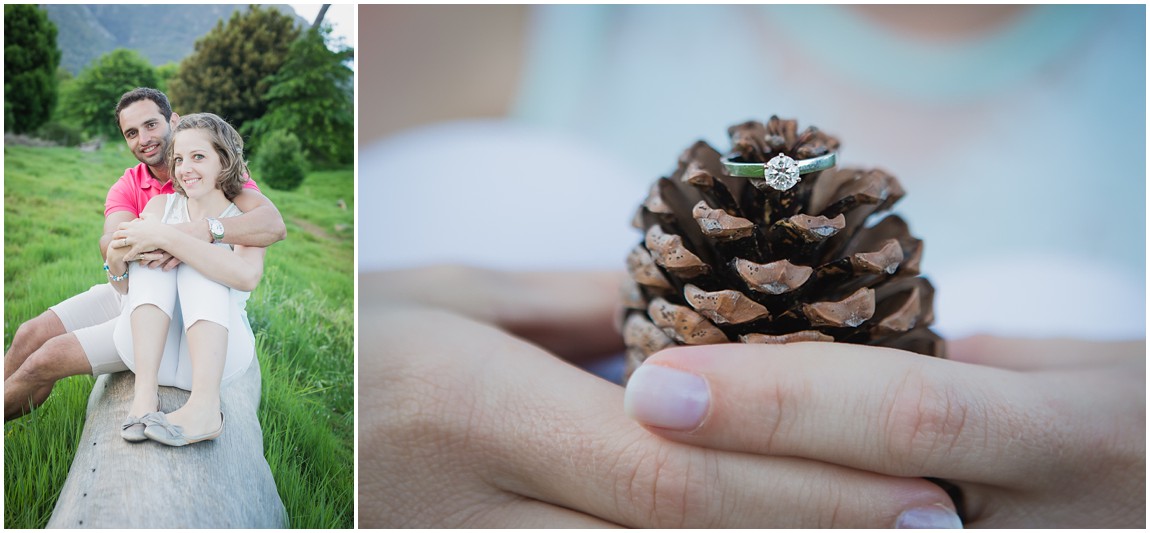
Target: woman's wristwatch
x=216, y=228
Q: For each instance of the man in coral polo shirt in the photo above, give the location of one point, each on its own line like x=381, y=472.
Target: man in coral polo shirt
x=75, y=336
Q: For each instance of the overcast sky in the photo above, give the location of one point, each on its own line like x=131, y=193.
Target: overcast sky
x=340, y=16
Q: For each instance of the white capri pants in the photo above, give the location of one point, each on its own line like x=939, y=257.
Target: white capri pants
x=187, y=297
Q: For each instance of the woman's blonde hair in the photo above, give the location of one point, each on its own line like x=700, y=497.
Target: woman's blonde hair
x=228, y=145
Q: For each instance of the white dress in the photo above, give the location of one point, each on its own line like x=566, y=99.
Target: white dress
x=186, y=296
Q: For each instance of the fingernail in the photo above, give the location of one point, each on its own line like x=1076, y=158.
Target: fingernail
x=932, y=517
x=666, y=398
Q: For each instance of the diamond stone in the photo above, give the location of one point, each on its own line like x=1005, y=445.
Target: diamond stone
x=781, y=172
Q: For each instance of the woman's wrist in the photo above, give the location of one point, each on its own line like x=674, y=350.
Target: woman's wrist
x=163, y=237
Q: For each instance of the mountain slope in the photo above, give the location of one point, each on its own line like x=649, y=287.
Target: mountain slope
x=161, y=33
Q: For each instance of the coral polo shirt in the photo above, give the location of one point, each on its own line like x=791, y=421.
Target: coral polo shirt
x=133, y=190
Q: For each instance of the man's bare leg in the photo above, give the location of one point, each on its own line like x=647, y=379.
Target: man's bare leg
x=29, y=337
x=31, y=383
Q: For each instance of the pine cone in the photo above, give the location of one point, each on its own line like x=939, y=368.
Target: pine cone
x=732, y=259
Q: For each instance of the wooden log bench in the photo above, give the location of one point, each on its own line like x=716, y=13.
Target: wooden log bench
x=225, y=483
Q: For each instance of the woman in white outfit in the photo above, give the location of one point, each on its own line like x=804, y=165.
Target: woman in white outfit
x=186, y=327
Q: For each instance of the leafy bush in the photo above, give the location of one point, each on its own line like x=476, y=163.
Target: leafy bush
x=280, y=161
x=60, y=133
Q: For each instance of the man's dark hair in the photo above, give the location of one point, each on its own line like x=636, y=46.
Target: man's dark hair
x=144, y=93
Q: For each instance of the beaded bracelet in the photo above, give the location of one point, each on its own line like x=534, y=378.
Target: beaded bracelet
x=114, y=277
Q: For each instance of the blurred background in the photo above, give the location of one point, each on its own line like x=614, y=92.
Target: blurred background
x=524, y=137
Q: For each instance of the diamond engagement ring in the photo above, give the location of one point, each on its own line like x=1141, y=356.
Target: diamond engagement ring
x=781, y=172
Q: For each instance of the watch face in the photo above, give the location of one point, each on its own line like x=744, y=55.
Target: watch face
x=217, y=229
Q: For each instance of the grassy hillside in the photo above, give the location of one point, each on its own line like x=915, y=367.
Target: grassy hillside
x=302, y=314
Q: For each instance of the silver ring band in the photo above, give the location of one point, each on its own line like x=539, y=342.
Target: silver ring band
x=781, y=172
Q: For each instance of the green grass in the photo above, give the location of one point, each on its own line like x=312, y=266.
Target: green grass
x=302, y=314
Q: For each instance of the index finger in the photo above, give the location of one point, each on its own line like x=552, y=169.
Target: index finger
x=571, y=314
x=875, y=409
x=171, y=263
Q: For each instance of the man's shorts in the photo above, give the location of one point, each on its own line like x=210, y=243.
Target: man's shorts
x=92, y=316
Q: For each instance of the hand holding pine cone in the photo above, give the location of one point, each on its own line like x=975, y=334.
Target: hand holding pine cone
x=733, y=259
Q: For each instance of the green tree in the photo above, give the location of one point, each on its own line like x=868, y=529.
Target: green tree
x=312, y=93
x=91, y=98
x=165, y=73
x=30, y=61
x=227, y=73
x=63, y=77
